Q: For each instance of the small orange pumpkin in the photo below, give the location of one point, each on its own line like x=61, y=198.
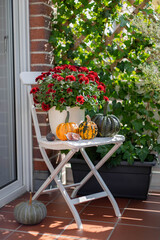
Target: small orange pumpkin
x=63, y=128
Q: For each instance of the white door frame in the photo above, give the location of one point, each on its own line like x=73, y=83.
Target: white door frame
x=22, y=49
x=23, y=118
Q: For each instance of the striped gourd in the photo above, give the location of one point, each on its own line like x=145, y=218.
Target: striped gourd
x=88, y=129
x=30, y=212
x=64, y=128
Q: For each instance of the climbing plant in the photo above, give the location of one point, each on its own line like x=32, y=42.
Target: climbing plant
x=97, y=33
x=105, y=37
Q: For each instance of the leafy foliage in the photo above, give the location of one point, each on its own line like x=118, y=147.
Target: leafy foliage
x=106, y=37
x=139, y=124
x=151, y=68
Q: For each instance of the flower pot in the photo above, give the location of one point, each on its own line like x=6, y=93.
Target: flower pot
x=56, y=117
x=129, y=181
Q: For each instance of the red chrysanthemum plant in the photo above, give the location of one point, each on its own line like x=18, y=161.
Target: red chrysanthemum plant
x=69, y=85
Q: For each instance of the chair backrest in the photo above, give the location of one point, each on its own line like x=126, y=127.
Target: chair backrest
x=28, y=79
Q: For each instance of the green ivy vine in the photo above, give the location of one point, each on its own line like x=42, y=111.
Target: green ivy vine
x=111, y=38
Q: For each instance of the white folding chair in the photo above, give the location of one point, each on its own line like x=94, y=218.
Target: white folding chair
x=28, y=79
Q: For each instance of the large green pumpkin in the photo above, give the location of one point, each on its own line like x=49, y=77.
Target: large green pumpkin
x=108, y=125
x=30, y=212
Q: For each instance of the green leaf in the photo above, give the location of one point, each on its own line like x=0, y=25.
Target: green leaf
x=142, y=153
x=123, y=21
x=138, y=124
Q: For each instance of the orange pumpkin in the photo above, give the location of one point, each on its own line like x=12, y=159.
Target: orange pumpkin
x=63, y=128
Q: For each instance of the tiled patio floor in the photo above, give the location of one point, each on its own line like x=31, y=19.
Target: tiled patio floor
x=140, y=220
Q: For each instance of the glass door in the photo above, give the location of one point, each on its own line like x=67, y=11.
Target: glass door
x=8, y=173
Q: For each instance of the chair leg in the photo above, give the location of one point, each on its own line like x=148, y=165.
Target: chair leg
x=69, y=203
x=60, y=186
x=100, y=180
x=53, y=171
x=100, y=163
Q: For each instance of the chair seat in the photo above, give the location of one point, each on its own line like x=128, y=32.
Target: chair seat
x=62, y=145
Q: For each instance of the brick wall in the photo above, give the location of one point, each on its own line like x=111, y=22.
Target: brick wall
x=40, y=11
x=40, y=49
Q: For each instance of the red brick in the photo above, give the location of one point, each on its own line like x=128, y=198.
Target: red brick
x=40, y=68
x=41, y=111
x=34, y=140
x=40, y=9
x=40, y=58
x=39, y=166
x=37, y=153
x=44, y=130
x=42, y=118
x=40, y=21
x=39, y=34
x=41, y=46
x=43, y=1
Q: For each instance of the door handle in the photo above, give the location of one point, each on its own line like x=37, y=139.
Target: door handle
x=5, y=43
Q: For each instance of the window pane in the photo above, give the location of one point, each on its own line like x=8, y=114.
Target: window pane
x=7, y=118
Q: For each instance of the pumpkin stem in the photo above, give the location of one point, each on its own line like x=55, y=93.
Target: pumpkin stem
x=105, y=109
x=30, y=199
x=88, y=118
x=67, y=117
